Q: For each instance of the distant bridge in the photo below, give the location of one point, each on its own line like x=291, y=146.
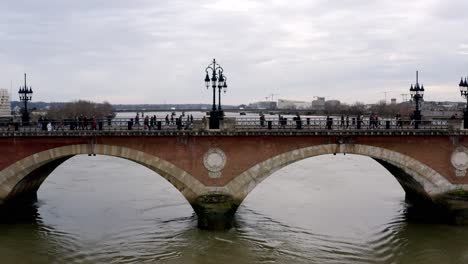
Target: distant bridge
x=426, y=114
x=235, y=110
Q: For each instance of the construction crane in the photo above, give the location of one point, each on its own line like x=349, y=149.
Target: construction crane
x=385, y=92
x=271, y=96
x=404, y=97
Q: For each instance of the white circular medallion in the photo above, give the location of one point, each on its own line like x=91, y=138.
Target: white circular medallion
x=459, y=161
x=214, y=161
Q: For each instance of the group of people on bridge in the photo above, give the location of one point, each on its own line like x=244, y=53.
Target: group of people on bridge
x=150, y=123
x=173, y=121
x=343, y=122
x=80, y=122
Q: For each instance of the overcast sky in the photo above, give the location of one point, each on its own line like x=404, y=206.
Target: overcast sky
x=156, y=51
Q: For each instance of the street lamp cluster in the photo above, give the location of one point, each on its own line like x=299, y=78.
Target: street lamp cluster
x=417, y=94
x=25, y=95
x=464, y=93
x=217, y=80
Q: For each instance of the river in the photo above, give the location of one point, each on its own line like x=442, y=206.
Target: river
x=326, y=209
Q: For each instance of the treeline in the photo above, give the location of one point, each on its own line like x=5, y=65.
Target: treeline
x=358, y=108
x=80, y=108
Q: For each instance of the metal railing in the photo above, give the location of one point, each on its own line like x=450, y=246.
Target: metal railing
x=116, y=124
x=337, y=124
x=240, y=124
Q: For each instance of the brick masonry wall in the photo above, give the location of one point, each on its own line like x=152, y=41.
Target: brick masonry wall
x=242, y=152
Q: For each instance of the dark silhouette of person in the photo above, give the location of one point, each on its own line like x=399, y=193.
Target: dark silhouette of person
x=146, y=123
x=371, y=121
x=298, y=120
x=137, y=120
x=329, y=122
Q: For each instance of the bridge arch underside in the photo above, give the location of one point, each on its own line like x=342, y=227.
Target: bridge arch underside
x=424, y=187
x=20, y=181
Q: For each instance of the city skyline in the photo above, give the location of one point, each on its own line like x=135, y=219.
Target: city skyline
x=145, y=52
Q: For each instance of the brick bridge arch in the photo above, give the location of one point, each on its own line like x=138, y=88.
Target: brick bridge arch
x=419, y=181
x=23, y=178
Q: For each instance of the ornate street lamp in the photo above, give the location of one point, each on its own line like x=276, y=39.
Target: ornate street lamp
x=25, y=95
x=464, y=93
x=217, y=80
x=417, y=94
x=222, y=84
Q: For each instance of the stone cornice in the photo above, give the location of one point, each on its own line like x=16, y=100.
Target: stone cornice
x=208, y=133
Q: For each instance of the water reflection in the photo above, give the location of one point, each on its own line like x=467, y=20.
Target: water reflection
x=327, y=209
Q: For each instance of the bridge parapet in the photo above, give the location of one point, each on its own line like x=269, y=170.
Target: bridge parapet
x=220, y=132
x=233, y=124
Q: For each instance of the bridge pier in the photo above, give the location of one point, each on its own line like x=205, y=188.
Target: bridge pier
x=18, y=209
x=450, y=207
x=454, y=206
x=444, y=209
x=215, y=211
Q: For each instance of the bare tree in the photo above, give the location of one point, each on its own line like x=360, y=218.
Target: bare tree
x=358, y=108
x=81, y=107
x=332, y=107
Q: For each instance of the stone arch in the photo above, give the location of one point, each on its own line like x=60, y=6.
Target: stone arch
x=24, y=177
x=414, y=176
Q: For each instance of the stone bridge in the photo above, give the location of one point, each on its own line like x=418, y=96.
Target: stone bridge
x=216, y=170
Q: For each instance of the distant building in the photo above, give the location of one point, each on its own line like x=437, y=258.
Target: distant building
x=332, y=103
x=318, y=104
x=290, y=104
x=442, y=109
x=263, y=105
x=393, y=101
x=5, y=109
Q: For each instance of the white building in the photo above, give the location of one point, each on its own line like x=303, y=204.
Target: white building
x=263, y=105
x=5, y=105
x=318, y=104
x=290, y=104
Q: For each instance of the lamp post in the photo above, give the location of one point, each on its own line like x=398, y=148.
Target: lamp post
x=224, y=86
x=464, y=93
x=217, y=80
x=417, y=94
x=25, y=95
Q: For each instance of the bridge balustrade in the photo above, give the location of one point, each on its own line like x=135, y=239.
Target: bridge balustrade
x=336, y=124
x=99, y=124
x=241, y=124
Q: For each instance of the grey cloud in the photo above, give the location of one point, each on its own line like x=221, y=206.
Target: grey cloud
x=154, y=51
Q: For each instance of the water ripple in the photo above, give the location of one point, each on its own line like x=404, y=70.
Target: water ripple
x=98, y=214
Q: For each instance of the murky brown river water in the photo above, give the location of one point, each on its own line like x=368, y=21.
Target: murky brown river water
x=327, y=209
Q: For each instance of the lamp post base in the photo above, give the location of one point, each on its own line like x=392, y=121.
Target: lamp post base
x=465, y=119
x=416, y=119
x=25, y=119
x=215, y=117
